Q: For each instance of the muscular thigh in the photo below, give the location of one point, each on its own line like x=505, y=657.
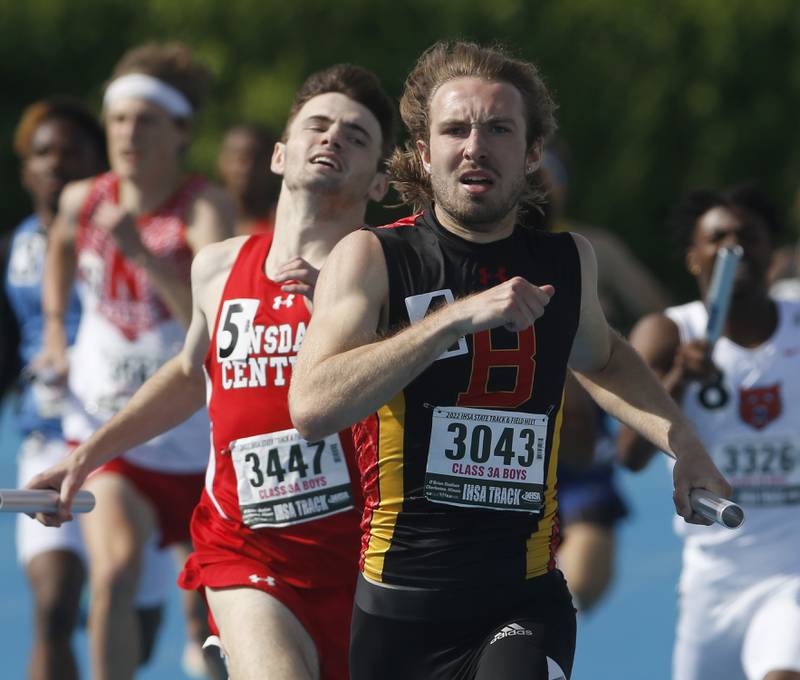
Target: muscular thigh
x=393, y=649
x=529, y=649
x=709, y=636
x=121, y=523
x=261, y=636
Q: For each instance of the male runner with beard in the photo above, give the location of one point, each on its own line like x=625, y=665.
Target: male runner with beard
x=446, y=336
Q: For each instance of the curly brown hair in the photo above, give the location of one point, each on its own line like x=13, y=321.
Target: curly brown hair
x=58, y=107
x=174, y=63
x=356, y=83
x=445, y=61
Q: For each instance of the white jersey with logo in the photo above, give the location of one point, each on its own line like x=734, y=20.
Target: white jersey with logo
x=126, y=332
x=754, y=440
x=740, y=589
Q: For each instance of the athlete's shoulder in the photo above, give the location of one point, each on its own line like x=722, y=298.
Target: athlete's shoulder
x=555, y=243
x=356, y=249
x=212, y=206
x=215, y=259
x=656, y=337
x=409, y=221
x=31, y=223
x=214, y=194
x=788, y=319
x=581, y=242
x=414, y=231
x=690, y=317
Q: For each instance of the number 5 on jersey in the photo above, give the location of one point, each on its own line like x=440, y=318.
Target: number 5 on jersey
x=235, y=328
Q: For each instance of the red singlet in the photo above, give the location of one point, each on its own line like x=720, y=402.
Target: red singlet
x=277, y=513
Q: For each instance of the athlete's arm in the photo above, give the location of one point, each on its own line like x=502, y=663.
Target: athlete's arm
x=633, y=285
x=345, y=371
x=58, y=277
x=624, y=386
x=577, y=442
x=657, y=340
x=169, y=397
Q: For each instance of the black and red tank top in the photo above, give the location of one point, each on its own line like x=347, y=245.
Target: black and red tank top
x=263, y=477
x=459, y=469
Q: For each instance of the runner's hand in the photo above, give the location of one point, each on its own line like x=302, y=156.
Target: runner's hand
x=66, y=477
x=297, y=276
x=696, y=470
x=120, y=224
x=514, y=304
x=51, y=362
x=693, y=362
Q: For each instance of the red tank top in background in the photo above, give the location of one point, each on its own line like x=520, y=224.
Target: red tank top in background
x=263, y=478
x=125, y=295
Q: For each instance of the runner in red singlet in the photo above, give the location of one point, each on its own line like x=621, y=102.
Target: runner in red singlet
x=276, y=532
x=128, y=237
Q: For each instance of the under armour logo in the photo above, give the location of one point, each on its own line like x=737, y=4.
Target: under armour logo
x=486, y=277
x=254, y=578
x=278, y=301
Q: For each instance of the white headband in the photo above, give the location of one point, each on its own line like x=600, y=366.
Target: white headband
x=152, y=89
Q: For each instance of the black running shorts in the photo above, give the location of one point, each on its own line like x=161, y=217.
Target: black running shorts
x=514, y=633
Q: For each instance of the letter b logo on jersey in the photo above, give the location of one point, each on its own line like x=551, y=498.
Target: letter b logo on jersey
x=486, y=359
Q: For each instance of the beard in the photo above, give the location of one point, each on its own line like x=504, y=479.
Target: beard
x=479, y=212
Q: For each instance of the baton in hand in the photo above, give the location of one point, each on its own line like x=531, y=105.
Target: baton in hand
x=41, y=500
x=713, y=395
x=716, y=509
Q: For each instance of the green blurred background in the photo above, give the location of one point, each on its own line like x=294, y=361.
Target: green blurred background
x=655, y=97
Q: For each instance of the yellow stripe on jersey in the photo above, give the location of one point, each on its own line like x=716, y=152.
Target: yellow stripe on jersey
x=539, y=544
x=391, y=423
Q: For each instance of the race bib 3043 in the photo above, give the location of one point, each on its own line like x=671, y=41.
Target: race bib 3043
x=487, y=459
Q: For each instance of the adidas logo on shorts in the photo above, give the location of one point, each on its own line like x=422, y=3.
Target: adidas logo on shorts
x=509, y=630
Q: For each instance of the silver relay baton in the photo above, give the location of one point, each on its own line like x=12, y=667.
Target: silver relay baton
x=716, y=509
x=713, y=394
x=41, y=500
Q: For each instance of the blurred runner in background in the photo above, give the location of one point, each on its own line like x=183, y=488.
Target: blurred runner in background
x=276, y=530
x=739, y=613
x=243, y=165
x=57, y=141
x=128, y=236
x=590, y=504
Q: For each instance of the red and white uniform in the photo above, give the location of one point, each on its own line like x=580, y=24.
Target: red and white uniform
x=740, y=590
x=277, y=513
x=126, y=333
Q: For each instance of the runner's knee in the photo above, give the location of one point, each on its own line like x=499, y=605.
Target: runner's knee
x=115, y=579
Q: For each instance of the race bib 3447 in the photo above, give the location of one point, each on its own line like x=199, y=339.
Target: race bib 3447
x=282, y=479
